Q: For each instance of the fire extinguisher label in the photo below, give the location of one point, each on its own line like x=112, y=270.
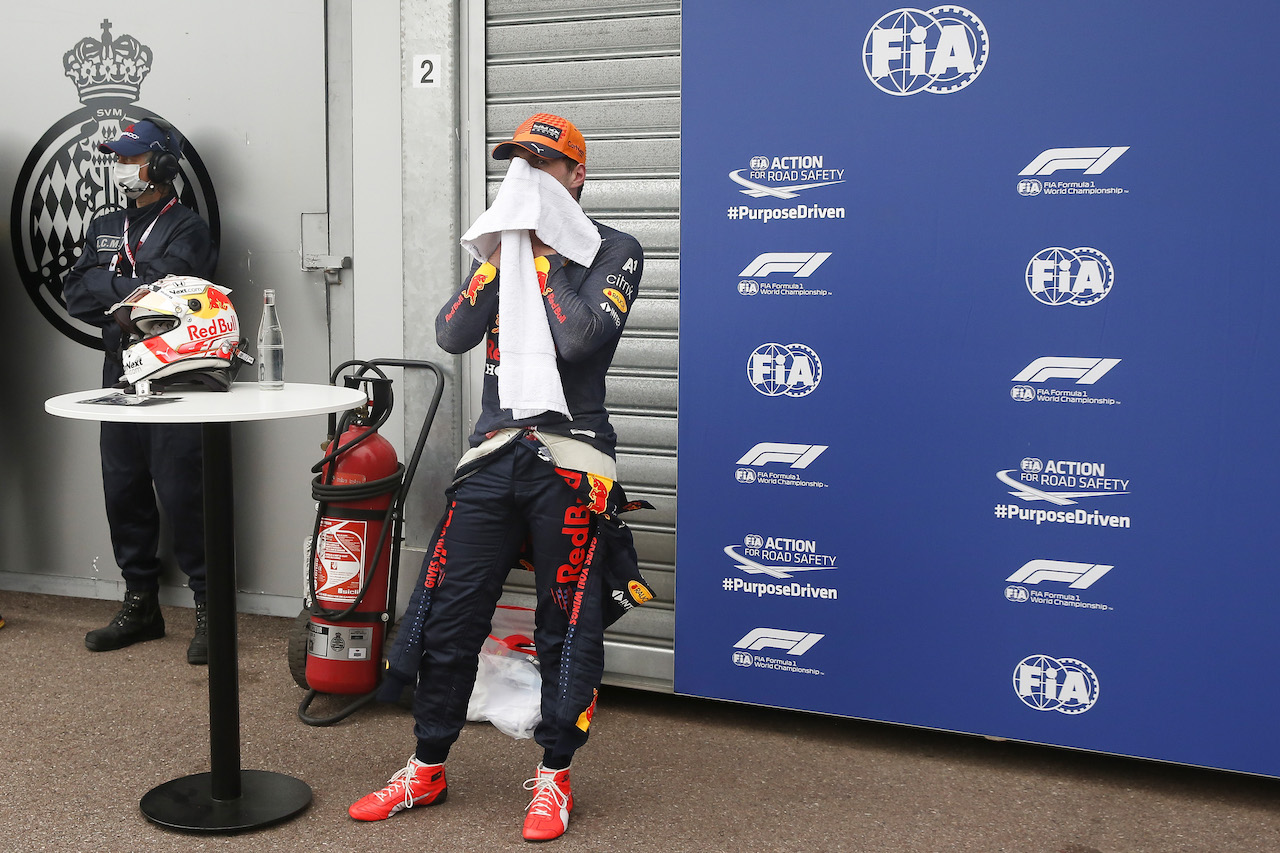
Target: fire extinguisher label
x=333, y=642
x=317, y=640
x=340, y=559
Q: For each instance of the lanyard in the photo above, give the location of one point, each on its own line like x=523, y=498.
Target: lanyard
x=129, y=250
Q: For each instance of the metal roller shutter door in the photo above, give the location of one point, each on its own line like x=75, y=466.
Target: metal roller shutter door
x=613, y=67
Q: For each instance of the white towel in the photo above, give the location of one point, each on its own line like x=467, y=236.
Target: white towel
x=529, y=200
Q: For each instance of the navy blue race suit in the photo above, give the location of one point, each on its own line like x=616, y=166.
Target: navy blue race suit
x=143, y=461
x=515, y=500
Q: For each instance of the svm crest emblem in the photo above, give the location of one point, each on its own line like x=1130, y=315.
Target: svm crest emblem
x=65, y=181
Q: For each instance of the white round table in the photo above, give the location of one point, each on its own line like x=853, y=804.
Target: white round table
x=245, y=401
x=228, y=798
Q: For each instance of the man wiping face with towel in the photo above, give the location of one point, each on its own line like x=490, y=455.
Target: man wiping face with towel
x=539, y=484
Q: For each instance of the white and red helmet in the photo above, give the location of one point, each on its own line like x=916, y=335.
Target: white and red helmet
x=182, y=329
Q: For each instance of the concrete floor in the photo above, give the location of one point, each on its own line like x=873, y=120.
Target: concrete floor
x=86, y=735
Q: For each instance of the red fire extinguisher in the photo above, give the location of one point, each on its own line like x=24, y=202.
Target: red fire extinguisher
x=354, y=562
x=347, y=580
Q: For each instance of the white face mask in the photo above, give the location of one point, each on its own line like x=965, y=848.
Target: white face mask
x=127, y=180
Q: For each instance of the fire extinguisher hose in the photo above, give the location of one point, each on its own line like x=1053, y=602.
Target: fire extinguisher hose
x=357, y=491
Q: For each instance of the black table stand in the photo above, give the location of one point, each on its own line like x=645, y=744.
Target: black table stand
x=227, y=799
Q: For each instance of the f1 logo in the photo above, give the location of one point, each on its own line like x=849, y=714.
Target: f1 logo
x=790, y=642
x=1085, y=371
x=801, y=264
x=1079, y=575
x=1094, y=161
x=798, y=455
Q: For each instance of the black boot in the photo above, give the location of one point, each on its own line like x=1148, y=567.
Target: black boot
x=198, y=650
x=139, y=619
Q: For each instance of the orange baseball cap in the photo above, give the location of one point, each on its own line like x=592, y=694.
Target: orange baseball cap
x=547, y=136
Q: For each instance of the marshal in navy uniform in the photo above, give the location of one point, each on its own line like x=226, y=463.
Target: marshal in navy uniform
x=153, y=237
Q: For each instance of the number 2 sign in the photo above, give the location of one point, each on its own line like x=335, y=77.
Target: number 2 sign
x=425, y=71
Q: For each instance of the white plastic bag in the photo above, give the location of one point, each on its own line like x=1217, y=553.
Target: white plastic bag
x=508, y=691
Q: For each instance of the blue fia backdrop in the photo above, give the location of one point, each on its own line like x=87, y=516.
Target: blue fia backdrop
x=978, y=353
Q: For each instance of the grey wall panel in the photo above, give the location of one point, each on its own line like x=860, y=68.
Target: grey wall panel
x=658, y=113
x=633, y=194
x=613, y=67
x=650, y=151
x=655, y=546
x=661, y=277
x=266, y=165
x=641, y=394
x=638, y=433
x=509, y=11
x=646, y=622
x=657, y=35
x=652, y=470
x=656, y=235
x=645, y=353
x=592, y=79
x=654, y=313
x=663, y=515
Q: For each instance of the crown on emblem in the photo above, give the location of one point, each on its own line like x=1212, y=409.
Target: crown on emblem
x=107, y=68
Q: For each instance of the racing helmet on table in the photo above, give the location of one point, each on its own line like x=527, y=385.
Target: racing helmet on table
x=180, y=329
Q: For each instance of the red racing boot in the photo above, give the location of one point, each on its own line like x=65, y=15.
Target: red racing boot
x=417, y=784
x=548, y=813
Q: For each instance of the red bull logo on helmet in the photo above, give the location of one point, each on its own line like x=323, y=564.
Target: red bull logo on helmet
x=217, y=300
x=216, y=328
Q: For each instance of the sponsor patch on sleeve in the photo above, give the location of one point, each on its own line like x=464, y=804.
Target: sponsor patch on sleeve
x=483, y=276
x=639, y=592
x=616, y=298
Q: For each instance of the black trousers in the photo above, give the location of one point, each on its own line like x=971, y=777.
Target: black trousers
x=140, y=464
x=516, y=496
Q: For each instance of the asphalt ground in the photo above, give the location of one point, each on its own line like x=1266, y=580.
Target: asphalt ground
x=86, y=735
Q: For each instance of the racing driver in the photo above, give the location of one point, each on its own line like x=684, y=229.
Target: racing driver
x=539, y=489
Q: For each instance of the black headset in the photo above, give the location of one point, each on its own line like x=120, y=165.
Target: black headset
x=163, y=167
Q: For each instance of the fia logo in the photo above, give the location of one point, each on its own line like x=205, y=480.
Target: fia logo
x=777, y=370
x=940, y=50
x=66, y=182
x=1079, y=276
x=1065, y=685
